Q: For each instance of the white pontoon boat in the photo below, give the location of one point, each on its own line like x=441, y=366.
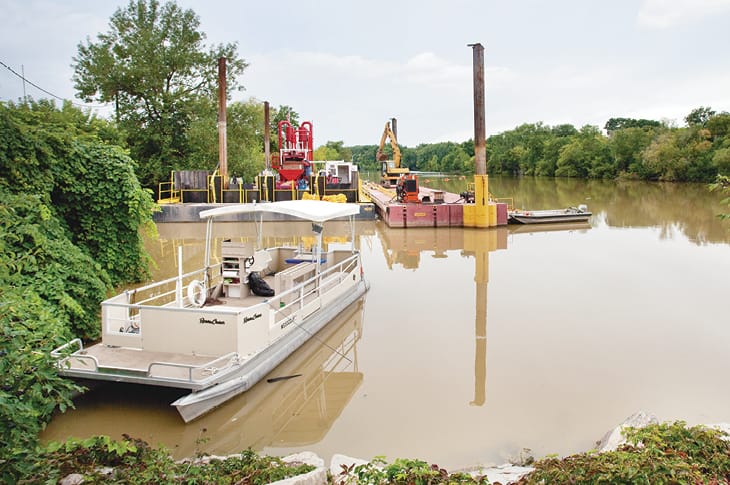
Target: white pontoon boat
x=211, y=331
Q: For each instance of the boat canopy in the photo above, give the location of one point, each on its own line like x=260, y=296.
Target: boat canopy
x=312, y=210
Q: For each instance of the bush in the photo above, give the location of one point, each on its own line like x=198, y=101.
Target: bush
x=656, y=454
x=102, y=460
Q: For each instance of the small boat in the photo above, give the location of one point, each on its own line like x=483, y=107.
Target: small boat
x=571, y=214
x=218, y=330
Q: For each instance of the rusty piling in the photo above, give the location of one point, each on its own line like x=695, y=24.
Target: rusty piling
x=480, y=145
x=222, y=140
x=267, y=136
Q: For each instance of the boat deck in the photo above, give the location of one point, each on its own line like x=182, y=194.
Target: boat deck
x=139, y=361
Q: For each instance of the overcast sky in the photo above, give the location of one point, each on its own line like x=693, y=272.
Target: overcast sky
x=349, y=66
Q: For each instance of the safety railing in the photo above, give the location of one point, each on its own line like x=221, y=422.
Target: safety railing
x=121, y=312
x=69, y=357
x=295, y=299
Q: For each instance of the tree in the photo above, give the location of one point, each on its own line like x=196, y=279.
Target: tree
x=626, y=146
x=333, y=150
x=325, y=153
x=282, y=113
x=586, y=155
x=615, y=124
x=699, y=116
x=245, y=139
x=152, y=64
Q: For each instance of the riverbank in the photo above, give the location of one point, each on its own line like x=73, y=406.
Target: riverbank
x=640, y=448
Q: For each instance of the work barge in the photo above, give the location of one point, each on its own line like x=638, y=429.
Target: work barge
x=438, y=208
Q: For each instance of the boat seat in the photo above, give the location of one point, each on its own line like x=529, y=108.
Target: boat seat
x=305, y=258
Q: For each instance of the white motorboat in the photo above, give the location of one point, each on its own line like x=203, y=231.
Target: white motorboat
x=570, y=214
x=218, y=330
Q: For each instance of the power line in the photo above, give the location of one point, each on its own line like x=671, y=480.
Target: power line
x=50, y=93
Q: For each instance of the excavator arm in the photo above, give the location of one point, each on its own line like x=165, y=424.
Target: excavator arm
x=380, y=154
x=391, y=169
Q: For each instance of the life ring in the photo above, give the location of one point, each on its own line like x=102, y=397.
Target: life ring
x=196, y=293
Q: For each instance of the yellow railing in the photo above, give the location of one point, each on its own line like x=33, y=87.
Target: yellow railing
x=214, y=192
x=167, y=192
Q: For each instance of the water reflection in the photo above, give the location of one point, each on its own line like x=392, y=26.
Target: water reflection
x=307, y=393
x=587, y=324
x=405, y=247
x=687, y=207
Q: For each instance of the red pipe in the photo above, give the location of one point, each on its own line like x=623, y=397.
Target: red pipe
x=310, y=142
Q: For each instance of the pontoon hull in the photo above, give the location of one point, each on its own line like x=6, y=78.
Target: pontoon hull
x=198, y=403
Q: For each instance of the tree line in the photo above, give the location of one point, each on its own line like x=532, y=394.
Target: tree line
x=629, y=148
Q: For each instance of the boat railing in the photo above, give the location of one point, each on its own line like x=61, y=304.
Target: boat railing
x=320, y=284
x=196, y=373
x=121, y=312
x=70, y=357
x=70, y=349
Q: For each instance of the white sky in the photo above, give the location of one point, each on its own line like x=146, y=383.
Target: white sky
x=349, y=66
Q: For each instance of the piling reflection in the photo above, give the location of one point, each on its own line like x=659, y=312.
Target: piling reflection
x=294, y=405
x=405, y=247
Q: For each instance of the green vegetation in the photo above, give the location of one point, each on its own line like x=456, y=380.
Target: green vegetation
x=636, y=149
x=71, y=210
x=639, y=149
x=403, y=471
x=102, y=460
x=657, y=454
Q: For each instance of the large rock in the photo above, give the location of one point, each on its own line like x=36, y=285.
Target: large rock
x=615, y=438
x=318, y=476
x=315, y=477
x=339, y=461
x=72, y=479
x=306, y=457
x=504, y=474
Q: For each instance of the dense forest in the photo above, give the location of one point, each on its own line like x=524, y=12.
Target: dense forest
x=630, y=148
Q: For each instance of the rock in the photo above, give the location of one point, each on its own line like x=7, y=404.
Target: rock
x=306, y=457
x=615, y=438
x=723, y=427
x=315, y=477
x=338, y=461
x=505, y=474
x=72, y=479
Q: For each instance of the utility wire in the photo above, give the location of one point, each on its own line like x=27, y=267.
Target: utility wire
x=50, y=93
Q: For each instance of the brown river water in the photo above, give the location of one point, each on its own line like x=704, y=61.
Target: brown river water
x=474, y=344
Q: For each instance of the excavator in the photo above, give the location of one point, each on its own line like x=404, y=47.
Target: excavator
x=390, y=169
x=392, y=174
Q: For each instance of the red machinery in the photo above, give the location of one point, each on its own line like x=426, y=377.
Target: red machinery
x=296, y=148
x=407, y=188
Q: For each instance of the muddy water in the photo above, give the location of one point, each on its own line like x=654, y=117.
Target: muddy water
x=474, y=344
